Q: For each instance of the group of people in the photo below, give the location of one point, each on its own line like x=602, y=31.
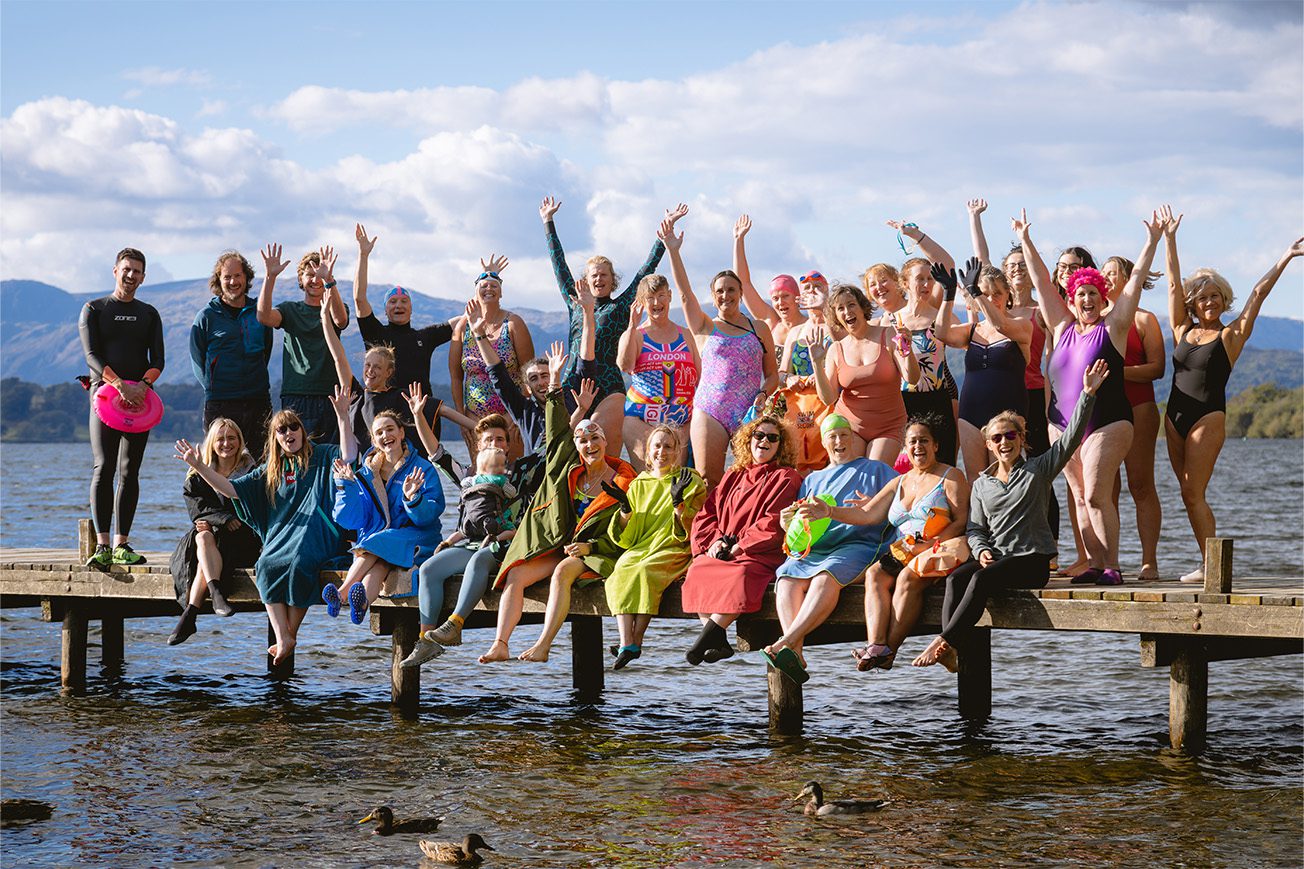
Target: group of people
x=808, y=439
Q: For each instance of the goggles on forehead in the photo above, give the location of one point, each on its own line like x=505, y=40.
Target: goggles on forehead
x=814, y=278
x=493, y=276
x=590, y=427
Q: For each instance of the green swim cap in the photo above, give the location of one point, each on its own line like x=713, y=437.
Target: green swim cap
x=833, y=421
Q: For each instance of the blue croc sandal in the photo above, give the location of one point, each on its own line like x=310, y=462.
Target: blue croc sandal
x=331, y=596
x=357, y=603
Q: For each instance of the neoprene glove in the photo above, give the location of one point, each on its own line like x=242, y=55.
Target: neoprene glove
x=945, y=277
x=969, y=277
x=619, y=494
x=680, y=485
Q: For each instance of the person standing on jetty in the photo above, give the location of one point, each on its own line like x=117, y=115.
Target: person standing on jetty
x=307, y=375
x=229, y=351
x=412, y=347
x=122, y=338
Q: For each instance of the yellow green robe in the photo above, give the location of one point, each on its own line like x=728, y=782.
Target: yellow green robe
x=656, y=545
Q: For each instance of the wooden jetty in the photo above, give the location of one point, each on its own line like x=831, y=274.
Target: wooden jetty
x=1181, y=627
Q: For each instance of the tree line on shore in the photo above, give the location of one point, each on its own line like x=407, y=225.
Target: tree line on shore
x=30, y=412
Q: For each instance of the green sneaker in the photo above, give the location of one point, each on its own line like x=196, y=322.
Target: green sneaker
x=124, y=554
x=101, y=558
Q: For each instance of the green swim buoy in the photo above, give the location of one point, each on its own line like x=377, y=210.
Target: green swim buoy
x=803, y=535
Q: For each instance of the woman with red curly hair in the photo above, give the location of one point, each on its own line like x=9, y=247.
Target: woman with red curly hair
x=1083, y=329
x=737, y=537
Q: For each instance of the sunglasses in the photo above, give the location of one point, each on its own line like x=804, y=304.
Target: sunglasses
x=288, y=427
x=997, y=437
x=765, y=436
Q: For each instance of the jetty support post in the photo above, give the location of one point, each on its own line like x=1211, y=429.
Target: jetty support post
x=72, y=661
x=112, y=646
x=402, y=626
x=587, y=674
x=974, y=679
x=787, y=714
x=1218, y=565
x=1188, y=698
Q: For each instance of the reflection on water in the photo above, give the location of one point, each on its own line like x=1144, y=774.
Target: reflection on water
x=189, y=755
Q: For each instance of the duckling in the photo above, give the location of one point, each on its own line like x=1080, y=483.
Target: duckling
x=454, y=854
x=386, y=825
x=817, y=806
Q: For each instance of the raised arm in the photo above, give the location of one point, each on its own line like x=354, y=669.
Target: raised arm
x=653, y=260
x=340, y=402
x=1054, y=311
x=694, y=316
x=416, y=402
x=945, y=326
x=1240, y=328
x=589, y=323
x=360, y=303
x=325, y=269
x=1178, y=317
x=547, y=213
x=1120, y=316
x=273, y=265
x=976, y=208
x=758, y=307
x=221, y=485
x=1017, y=329
x=343, y=372
x=629, y=347
x=931, y=249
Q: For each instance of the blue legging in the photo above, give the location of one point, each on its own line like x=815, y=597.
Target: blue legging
x=476, y=568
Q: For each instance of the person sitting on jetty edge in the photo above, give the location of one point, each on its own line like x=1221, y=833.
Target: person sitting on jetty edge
x=1009, y=534
x=286, y=501
x=217, y=542
x=393, y=500
x=810, y=582
x=122, y=339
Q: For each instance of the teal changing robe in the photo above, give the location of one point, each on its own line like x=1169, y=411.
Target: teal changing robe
x=299, y=537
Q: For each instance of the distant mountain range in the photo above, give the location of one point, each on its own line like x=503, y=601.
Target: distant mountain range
x=39, y=342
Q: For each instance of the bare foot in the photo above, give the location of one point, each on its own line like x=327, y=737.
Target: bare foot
x=947, y=658
x=1149, y=573
x=1073, y=569
x=494, y=654
x=280, y=652
x=929, y=656
x=536, y=653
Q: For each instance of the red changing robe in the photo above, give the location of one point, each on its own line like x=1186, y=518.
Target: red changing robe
x=746, y=504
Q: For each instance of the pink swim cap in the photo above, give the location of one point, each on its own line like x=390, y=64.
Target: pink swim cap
x=784, y=284
x=1087, y=275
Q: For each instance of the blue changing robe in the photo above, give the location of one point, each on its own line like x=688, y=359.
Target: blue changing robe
x=844, y=551
x=299, y=538
x=387, y=526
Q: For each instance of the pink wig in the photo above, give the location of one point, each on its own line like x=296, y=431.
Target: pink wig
x=1087, y=275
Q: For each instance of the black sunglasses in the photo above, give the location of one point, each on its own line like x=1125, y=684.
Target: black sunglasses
x=288, y=427
x=765, y=436
x=997, y=437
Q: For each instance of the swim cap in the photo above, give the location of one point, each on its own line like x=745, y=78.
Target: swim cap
x=832, y=422
x=815, y=277
x=784, y=284
x=1087, y=275
x=397, y=291
x=493, y=276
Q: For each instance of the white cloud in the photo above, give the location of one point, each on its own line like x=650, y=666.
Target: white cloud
x=1088, y=114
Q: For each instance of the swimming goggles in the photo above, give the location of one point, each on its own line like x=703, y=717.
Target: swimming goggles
x=902, y=238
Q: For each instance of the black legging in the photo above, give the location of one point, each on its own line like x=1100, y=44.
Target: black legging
x=969, y=586
x=128, y=450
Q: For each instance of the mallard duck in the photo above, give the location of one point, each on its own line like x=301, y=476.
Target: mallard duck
x=386, y=825
x=817, y=806
x=454, y=854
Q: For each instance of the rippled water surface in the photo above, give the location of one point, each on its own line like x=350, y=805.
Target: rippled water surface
x=189, y=755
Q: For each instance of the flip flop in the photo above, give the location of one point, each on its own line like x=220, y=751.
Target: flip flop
x=787, y=663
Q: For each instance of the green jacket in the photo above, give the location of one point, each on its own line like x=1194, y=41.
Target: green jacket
x=550, y=521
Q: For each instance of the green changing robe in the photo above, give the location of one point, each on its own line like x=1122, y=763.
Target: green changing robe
x=550, y=521
x=656, y=546
x=299, y=537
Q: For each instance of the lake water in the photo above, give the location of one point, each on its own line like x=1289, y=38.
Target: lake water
x=191, y=756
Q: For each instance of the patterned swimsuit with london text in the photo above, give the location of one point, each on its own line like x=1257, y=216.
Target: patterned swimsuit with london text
x=665, y=378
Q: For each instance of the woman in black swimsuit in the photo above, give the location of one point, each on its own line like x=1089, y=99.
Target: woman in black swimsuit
x=1203, y=356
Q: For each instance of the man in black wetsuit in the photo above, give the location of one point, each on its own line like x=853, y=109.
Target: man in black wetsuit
x=122, y=338
x=412, y=347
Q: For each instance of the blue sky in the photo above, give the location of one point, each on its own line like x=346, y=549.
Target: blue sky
x=187, y=128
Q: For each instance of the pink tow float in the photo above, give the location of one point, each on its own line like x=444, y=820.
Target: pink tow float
x=114, y=413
